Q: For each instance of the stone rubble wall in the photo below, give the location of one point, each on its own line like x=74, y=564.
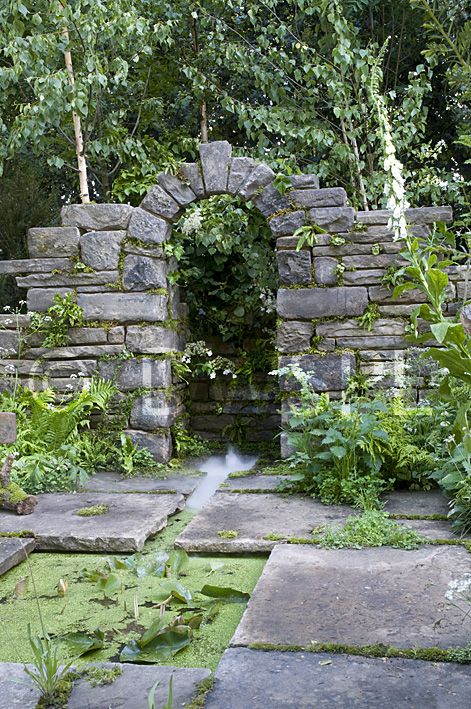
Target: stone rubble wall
x=135, y=321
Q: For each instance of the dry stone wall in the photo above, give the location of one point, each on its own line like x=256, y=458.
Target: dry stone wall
x=111, y=257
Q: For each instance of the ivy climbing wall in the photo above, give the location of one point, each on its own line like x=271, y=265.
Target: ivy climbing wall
x=335, y=315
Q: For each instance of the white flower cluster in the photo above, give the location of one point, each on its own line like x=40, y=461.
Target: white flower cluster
x=394, y=188
x=457, y=587
x=193, y=222
x=267, y=301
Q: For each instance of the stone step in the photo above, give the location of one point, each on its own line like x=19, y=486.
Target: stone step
x=14, y=550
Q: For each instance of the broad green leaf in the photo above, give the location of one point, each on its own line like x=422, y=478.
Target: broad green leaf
x=80, y=643
x=230, y=595
x=163, y=647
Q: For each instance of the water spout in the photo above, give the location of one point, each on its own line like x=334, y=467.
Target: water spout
x=217, y=468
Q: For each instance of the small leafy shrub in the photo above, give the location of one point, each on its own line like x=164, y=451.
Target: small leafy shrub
x=454, y=476
x=49, y=670
x=54, y=325
x=373, y=528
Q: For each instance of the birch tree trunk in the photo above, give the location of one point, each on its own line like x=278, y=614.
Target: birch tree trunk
x=79, y=147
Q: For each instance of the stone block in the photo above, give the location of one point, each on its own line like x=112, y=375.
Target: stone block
x=159, y=202
x=304, y=182
x=326, y=197
x=270, y=201
x=294, y=336
x=96, y=217
x=333, y=219
x=40, y=299
x=220, y=391
x=148, y=250
x=52, y=242
x=151, y=411
x=287, y=223
x=12, y=553
x=294, y=267
x=328, y=372
x=77, y=368
x=143, y=273
x=79, y=351
x=310, y=303
x=100, y=249
x=372, y=261
x=87, y=336
x=415, y=215
x=363, y=277
x=213, y=423
x=33, y=265
x=148, y=228
x=116, y=335
x=9, y=343
x=371, y=340
x=152, y=340
x=256, y=181
x=239, y=171
x=374, y=217
x=325, y=271
x=148, y=373
x=47, y=280
x=215, y=161
x=378, y=294
x=181, y=193
x=123, y=307
x=351, y=248
x=351, y=328
x=192, y=173
x=7, y=427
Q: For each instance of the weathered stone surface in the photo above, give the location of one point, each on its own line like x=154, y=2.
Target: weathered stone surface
x=131, y=519
x=304, y=181
x=17, y=690
x=100, y=249
x=294, y=267
x=152, y=340
x=159, y=202
x=181, y=193
x=310, y=303
x=372, y=261
x=124, y=307
x=192, y=173
x=147, y=227
x=239, y=170
x=351, y=248
x=333, y=219
x=53, y=242
x=132, y=687
x=362, y=584
x=219, y=391
x=256, y=180
x=151, y=411
x=294, y=336
x=33, y=265
x=371, y=340
x=80, y=351
x=351, y=328
x=374, y=216
x=215, y=160
x=47, y=280
x=287, y=223
x=135, y=373
x=159, y=444
x=96, y=216
x=143, y=273
x=364, y=277
x=379, y=294
x=327, y=197
x=270, y=201
x=254, y=517
x=87, y=336
x=9, y=343
x=417, y=215
x=267, y=483
x=327, y=372
x=77, y=367
x=432, y=530
x=302, y=680
x=154, y=251
x=325, y=271
x=40, y=299
x=115, y=483
x=13, y=552
x=418, y=502
x=7, y=427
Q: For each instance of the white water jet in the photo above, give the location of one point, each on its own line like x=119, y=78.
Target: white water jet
x=217, y=468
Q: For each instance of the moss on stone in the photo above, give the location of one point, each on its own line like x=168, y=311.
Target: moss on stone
x=13, y=493
x=98, y=676
x=228, y=534
x=92, y=511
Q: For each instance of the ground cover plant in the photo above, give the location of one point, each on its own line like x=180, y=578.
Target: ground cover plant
x=113, y=604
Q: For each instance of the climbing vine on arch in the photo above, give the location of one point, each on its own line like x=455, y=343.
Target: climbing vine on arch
x=227, y=269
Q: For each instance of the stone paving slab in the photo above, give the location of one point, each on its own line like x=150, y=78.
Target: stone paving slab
x=132, y=687
x=433, y=529
x=131, y=519
x=254, y=517
x=14, y=551
x=251, y=678
x=114, y=482
x=16, y=688
x=357, y=597
x=416, y=502
x=252, y=482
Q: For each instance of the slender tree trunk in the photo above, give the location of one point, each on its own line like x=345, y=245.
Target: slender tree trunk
x=203, y=109
x=79, y=145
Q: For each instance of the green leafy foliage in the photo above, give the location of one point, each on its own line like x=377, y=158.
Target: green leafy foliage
x=55, y=324
x=48, y=669
x=373, y=528
x=227, y=268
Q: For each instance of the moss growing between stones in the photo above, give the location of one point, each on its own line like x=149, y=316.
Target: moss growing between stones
x=93, y=511
x=61, y=698
x=13, y=493
x=228, y=534
x=204, y=688
x=98, y=676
